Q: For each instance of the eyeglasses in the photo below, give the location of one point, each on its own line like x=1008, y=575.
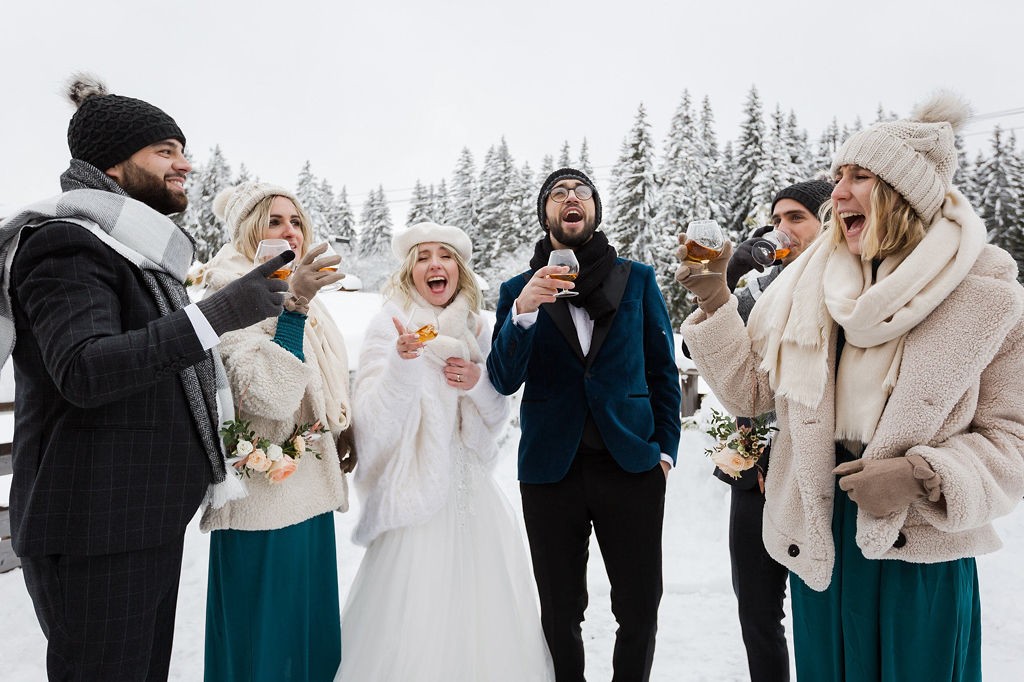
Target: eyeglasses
x=560, y=194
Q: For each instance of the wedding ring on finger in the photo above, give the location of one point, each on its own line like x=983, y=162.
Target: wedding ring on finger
x=458, y=378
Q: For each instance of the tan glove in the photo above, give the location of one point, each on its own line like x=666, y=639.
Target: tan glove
x=309, y=277
x=709, y=288
x=883, y=486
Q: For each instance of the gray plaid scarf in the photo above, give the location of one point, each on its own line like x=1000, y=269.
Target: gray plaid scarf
x=163, y=253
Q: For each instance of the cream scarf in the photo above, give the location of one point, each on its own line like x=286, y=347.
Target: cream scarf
x=321, y=334
x=792, y=325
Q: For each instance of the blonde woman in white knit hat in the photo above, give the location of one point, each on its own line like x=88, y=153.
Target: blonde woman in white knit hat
x=444, y=592
x=893, y=354
x=272, y=605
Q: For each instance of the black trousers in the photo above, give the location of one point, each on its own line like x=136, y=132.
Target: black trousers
x=107, y=617
x=626, y=511
x=760, y=586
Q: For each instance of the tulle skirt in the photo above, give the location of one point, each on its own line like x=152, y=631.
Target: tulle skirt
x=451, y=600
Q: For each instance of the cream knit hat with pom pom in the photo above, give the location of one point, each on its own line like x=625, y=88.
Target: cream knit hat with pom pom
x=234, y=204
x=916, y=156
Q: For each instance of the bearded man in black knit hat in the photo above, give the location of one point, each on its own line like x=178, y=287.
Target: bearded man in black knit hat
x=599, y=420
x=119, y=399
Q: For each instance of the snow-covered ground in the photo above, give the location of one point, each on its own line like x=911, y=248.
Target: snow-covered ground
x=698, y=637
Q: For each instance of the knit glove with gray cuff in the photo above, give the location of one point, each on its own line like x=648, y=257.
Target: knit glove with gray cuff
x=883, y=486
x=249, y=299
x=709, y=288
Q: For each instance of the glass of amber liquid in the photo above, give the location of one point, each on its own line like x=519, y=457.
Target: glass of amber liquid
x=770, y=247
x=565, y=257
x=270, y=248
x=330, y=268
x=704, y=243
x=422, y=323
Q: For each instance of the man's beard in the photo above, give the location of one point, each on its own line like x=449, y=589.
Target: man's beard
x=152, y=190
x=573, y=240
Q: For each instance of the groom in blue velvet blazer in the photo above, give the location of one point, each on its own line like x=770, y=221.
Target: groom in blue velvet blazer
x=599, y=421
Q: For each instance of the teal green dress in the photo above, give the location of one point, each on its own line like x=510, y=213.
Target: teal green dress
x=887, y=620
x=272, y=612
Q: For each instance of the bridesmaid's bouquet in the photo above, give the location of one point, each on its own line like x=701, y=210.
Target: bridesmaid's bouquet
x=738, y=447
x=252, y=453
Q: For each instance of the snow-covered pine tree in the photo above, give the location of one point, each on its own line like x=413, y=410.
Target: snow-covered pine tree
x=748, y=184
x=501, y=227
x=243, y=175
x=632, y=229
x=208, y=232
x=419, y=205
x=828, y=145
x=440, y=207
x=343, y=222
x=526, y=194
x=1000, y=182
x=375, y=259
x=779, y=169
x=713, y=195
x=800, y=151
x=464, y=196
x=679, y=179
x=310, y=195
x=547, y=166
x=565, y=157
x=585, y=160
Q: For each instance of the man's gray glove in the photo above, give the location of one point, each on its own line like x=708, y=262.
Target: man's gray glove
x=249, y=299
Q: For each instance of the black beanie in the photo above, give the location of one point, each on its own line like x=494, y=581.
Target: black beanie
x=812, y=194
x=107, y=129
x=562, y=174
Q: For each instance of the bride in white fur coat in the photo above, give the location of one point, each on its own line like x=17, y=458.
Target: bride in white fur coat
x=444, y=591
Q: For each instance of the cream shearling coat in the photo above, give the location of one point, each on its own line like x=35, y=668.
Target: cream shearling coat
x=957, y=403
x=274, y=391
x=411, y=424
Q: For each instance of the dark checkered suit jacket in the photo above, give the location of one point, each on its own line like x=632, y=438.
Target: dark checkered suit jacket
x=106, y=456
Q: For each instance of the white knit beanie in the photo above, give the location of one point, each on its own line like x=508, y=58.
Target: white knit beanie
x=419, y=233
x=916, y=156
x=234, y=204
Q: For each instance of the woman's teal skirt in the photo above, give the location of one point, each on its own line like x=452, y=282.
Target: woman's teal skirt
x=272, y=607
x=887, y=620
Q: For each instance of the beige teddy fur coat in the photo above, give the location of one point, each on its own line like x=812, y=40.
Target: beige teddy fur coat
x=958, y=403
x=274, y=391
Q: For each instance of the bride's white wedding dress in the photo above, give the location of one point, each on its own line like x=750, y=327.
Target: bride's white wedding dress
x=448, y=600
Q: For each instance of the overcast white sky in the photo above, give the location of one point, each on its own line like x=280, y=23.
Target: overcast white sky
x=384, y=92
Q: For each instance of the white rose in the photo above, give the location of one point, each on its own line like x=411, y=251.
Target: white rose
x=274, y=452
x=243, y=448
x=299, y=443
x=730, y=461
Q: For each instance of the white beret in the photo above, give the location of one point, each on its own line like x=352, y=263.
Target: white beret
x=419, y=233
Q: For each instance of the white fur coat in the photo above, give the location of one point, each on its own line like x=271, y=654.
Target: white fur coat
x=274, y=391
x=410, y=424
x=956, y=403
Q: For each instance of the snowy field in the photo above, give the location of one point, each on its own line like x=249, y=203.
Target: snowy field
x=698, y=638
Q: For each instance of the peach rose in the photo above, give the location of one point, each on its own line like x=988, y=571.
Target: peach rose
x=281, y=469
x=731, y=462
x=257, y=461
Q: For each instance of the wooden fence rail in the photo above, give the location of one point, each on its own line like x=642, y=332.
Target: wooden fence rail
x=8, y=559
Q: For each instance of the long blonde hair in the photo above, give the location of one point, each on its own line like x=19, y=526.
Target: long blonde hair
x=250, y=229
x=893, y=225
x=400, y=283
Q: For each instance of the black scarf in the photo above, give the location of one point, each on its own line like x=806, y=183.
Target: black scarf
x=596, y=257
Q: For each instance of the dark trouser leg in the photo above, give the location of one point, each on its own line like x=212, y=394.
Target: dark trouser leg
x=628, y=511
x=760, y=586
x=107, y=617
x=558, y=527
